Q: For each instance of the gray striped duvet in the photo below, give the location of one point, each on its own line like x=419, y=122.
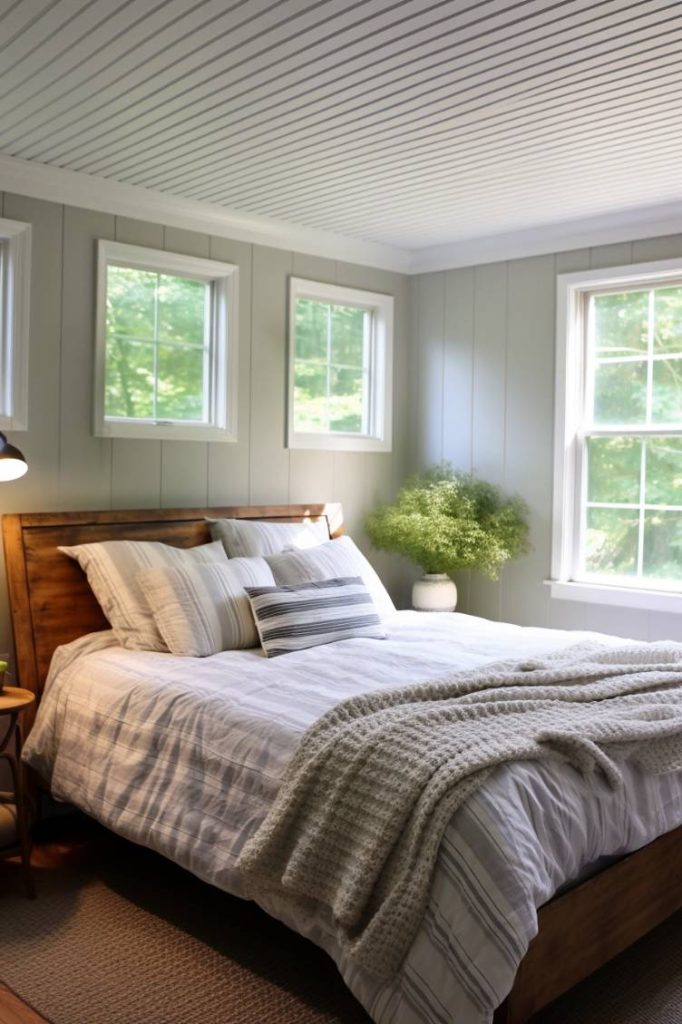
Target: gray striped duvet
x=112, y=717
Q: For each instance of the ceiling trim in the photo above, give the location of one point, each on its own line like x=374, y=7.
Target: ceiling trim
x=620, y=226
x=73, y=188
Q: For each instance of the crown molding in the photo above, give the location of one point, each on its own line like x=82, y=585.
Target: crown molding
x=42, y=181
x=620, y=226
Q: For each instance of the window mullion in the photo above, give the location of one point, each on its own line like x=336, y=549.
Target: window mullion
x=329, y=367
x=642, y=503
x=155, y=364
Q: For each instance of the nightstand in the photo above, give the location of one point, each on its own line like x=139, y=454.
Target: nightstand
x=14, y=835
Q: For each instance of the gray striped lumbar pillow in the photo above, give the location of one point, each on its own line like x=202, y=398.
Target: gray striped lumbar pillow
x=292, y=618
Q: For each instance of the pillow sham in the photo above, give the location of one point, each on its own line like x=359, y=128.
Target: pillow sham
x=112, y=567
x=248, y=538
x=335, y=558
x=293, y=618
x=203, y=609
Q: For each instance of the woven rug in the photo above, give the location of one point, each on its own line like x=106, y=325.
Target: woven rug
x=131, y=939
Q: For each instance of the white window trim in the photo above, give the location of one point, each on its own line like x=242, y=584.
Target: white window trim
x=381, y=438
x=224, y=277
x=570, y=386
x=14, y=328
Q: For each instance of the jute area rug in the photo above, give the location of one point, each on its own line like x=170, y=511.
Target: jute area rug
x=130, y=939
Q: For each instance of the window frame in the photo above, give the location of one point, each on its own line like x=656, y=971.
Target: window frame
x=223, y=378
x=15, y=304
x=570, y=445
x=380, y=435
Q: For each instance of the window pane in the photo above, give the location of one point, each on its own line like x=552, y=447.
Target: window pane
x=130, y=302
x=180, y=383
x=668, y=327
x=346, y=400
x=348, y=335
x=620, y=393
x=666, y=404
x=621, y=323
x=181, y=309
x=663, y=545
x=129, y=380
x=664, y=471
x=310, y=396
x=614, y=465
x=311, y=329
x=611, y=541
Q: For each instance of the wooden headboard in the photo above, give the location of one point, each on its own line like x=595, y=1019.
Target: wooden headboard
x=50, y=600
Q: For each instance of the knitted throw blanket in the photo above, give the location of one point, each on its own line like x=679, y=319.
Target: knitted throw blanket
x=368, y=794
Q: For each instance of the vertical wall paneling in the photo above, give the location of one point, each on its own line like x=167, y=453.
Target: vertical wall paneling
x=85, y=460
x=269, y=458
x=458, y=368
x=489, y=399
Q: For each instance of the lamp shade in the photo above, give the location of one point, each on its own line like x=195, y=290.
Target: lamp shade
x=12, y=462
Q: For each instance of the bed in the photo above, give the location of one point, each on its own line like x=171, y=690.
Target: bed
x=52, y=606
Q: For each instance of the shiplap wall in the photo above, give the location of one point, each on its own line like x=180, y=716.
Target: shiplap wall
x=71, y=469
x=483, y=398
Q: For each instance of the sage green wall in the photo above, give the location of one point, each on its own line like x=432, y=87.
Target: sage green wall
x=71, y=469
x=483, y=398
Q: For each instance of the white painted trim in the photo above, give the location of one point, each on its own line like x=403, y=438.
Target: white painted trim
x=562, y=236
x=14, y=329
x=224, y=372
x=569, y=469
x=617, y=597
x=381, y=373
x=29, y=178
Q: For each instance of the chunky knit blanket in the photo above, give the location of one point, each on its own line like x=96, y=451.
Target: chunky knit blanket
x=368, y=794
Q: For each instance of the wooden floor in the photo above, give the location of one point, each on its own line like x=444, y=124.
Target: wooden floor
x=14, y=1011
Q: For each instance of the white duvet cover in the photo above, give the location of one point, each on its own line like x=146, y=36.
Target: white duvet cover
x=185, y=756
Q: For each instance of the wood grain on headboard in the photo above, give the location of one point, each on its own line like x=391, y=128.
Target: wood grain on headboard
x=50, y=600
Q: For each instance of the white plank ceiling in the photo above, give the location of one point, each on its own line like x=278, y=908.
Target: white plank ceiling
x=409, y=122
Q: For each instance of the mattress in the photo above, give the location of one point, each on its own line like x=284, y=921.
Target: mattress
x=185, y=756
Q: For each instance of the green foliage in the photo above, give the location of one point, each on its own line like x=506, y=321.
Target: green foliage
x=155, y=350
x=329, y=374
x=444, y=521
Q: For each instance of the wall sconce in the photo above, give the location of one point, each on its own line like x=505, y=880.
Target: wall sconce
x=12, y=462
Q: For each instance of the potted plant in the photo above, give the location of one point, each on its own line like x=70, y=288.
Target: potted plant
x=445, y=520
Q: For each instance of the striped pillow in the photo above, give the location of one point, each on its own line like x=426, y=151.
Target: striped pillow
x=249, y=538
x=112, y=567
x=335, y=558
x=202, y=609
x=292, y=618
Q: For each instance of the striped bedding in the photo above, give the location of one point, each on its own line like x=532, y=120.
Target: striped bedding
x=186, y=756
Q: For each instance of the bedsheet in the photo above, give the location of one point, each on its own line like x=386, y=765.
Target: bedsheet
x=185, y=756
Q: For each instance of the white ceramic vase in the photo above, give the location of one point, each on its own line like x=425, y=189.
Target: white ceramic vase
x=434, y=592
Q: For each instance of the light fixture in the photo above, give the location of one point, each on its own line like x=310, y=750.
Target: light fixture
x=12, y=462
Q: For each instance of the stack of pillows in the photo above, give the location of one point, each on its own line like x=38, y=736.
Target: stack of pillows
x=283, y=586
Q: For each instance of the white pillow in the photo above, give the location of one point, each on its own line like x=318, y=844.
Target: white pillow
x=335, y=558
x=112, y=567
x=202, y=609
x=293, y=618
x=250, y=538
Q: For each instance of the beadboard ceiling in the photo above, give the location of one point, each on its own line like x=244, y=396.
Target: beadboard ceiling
x=410, y=123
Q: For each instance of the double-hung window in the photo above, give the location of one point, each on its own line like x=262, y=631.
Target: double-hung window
x=340, y=367
x=15, y=285
x=618, y=459
x=165, y=364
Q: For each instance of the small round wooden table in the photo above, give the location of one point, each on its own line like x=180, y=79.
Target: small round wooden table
x=13, y=702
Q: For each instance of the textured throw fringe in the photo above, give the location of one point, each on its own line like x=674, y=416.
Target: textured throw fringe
x=367, y=796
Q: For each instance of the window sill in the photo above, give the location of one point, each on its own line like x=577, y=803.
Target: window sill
x=169, y=432
x=339, y=443
x=619, y=597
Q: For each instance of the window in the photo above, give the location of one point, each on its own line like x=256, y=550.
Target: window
x=15, y=292
x=166, y=345
x=340, y=367
x=618, y=484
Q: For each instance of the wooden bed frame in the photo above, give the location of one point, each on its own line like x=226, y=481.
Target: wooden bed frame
x=52, y=604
